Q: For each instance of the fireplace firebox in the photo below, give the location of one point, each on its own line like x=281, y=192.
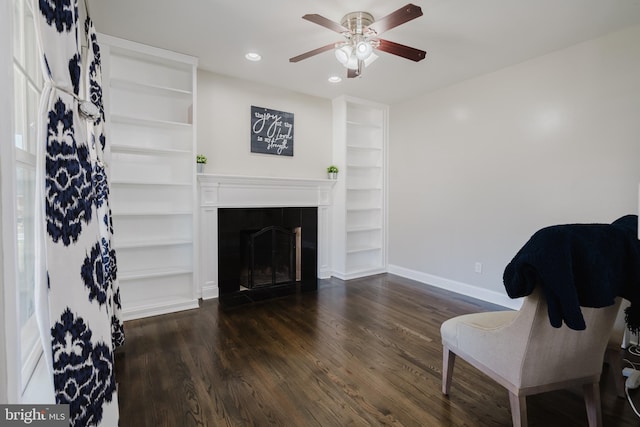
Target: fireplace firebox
x=266, y=252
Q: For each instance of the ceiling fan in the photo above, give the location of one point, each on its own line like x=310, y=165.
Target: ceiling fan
x=361, y=32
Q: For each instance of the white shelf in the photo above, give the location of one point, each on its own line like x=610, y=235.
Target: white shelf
x=363, y=167
x=363, y=228
x=151, y=104
x=152, y=213
x=149, y=88
x=364, y=147
x=363, y=249
x=364, y=208
x=143, y=121
x=151, y=183
x=364, y=124
x=151, y=243
x=364, y=188
x=360, y=141
x=149, y=274
x=131, y=149
x=149, y=54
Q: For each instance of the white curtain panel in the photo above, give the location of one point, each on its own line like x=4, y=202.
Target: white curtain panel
x=77, y=294
x=97, y=139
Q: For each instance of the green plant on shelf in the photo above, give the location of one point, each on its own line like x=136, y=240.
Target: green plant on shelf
x=332, y=169
x=201, y=158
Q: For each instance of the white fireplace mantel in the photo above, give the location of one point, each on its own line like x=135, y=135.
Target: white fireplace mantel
x=233, y=191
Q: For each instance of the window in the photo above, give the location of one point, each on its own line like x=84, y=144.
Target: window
x=27, y=86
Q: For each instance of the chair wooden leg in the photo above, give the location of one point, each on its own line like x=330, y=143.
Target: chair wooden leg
x=592, y=402
x=613, y=358
x=518, y=410
x=448, y=360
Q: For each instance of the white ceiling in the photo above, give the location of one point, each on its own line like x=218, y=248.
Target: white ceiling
x=463, y=38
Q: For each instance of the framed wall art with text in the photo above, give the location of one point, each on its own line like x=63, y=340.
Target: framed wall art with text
x=271, y=131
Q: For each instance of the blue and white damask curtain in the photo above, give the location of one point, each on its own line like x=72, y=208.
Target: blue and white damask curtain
x=77, y=293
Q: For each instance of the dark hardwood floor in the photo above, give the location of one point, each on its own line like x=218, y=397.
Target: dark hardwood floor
x=357, y=353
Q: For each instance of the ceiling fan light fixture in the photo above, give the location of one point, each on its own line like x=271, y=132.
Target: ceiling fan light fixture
x=343, y=54
x=364, y=50
x=370, y=59
x=352, y=64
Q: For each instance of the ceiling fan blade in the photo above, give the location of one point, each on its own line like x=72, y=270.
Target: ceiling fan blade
x=400, y=16
x=312, y=53
x=401, y=50
x=325, y=22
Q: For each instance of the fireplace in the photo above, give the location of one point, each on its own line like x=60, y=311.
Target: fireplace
x=266, y=252
x=217, y=193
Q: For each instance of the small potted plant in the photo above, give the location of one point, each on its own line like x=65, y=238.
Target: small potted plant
x=201, y=160
x=333, y=172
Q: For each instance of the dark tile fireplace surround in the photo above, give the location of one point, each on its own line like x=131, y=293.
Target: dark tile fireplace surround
x=239, y=228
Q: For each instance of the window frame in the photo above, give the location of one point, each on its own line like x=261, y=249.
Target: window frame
x=9, y=340
x=21, y=359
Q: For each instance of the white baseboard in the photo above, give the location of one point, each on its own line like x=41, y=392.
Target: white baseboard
x=210, y=292
x=324, y=273
x=457, y=287
x=358, y=274
x=138, y=312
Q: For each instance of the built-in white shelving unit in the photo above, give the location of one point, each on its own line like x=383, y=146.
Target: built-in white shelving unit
x=150, y=98
x=360, y=202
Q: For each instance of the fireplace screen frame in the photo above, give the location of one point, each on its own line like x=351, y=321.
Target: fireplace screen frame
x=282, y=243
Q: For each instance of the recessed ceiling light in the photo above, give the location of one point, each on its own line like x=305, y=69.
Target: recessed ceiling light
x=252, y=56
x=335, y=79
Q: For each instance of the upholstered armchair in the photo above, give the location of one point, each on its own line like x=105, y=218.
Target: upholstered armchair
x=521, y=351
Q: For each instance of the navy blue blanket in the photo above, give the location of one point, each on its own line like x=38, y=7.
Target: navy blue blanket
x=577, y=265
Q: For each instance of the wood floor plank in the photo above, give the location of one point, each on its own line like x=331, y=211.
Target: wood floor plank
x=356, y=353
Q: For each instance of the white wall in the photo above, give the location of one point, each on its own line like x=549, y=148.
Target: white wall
x=224, y=111
x=477, y=168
